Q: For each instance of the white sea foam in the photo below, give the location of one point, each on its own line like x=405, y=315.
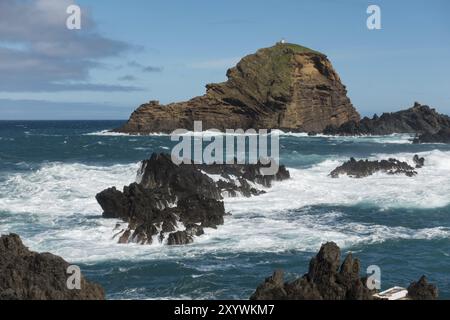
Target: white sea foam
x=312, y=186
x=396, y=138
x=60, y=188
x=64, y=218
x=111, y=133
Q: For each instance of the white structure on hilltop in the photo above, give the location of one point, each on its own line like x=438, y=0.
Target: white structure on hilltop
x=283, y=41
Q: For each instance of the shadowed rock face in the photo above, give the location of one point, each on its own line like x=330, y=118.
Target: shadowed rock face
x=176, y=202
x=364, y=168
x=27, y=275
x=286, y=86
x=325, y=280
x=418, y=119
x=442, y=136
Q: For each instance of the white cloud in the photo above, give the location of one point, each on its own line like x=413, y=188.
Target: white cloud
x=39, y=53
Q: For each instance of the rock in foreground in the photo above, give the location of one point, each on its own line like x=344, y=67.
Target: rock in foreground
x=27, y=275
x=286, y=87
x=325, y=280
x=418, y=119
x=174, y=203
x=364, y=168
x=422, y=290
x=328, y=280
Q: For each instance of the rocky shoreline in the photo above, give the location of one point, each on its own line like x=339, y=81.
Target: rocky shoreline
x=328, y=279
x=173, y=203
x=286, y=87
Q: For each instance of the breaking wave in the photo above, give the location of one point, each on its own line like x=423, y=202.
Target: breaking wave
x=54, y=209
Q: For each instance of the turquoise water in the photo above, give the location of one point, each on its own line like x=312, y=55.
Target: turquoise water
x=51, y=171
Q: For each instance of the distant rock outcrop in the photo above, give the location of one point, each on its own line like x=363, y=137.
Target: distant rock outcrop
x=286, y=86
x=442, y=136
x=173, y=203
x=27, y=275
x=418, y=119
x=364, y=168
x=325, y=280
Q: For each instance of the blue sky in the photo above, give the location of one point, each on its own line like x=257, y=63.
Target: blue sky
x=129, y=52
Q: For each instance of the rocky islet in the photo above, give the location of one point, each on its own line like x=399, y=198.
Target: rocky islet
x=286, y=86
x=174, y=203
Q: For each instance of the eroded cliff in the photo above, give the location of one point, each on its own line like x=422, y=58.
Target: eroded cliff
x=286, y=86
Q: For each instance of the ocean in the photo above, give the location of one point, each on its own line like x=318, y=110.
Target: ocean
x=50, y=172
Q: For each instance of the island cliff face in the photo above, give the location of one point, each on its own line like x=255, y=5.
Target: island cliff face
x=286, y=86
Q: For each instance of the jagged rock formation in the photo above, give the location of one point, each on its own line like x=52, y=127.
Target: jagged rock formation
x=442, y=136
x=422, y=290
x=364, y=168
x=419, y=161
x=286, y=86
x=418, y=119
x=27, y=275
x=325, y=280
x=328, y=280
x=174, y=203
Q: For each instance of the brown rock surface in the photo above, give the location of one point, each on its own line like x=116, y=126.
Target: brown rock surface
x=286, y=86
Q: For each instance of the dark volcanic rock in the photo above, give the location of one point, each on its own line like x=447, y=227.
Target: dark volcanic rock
x=328, y=280
x=186, y=236
x=442, y=136
x=418, y=119
x=168, y=197
x=286, y=86
x=149, y=212
x=236, y=178
x=159, y=172
x=364, y=168
x=27, y=275
x=422, y=290
x=325, y=280
x=419, y=161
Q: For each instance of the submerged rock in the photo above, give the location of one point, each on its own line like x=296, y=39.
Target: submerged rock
x=442, y=136
x=27, y=275
x=418, y=119
x=285, y=86
x=325, y=280
x=364, y=168
x=176, y=202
